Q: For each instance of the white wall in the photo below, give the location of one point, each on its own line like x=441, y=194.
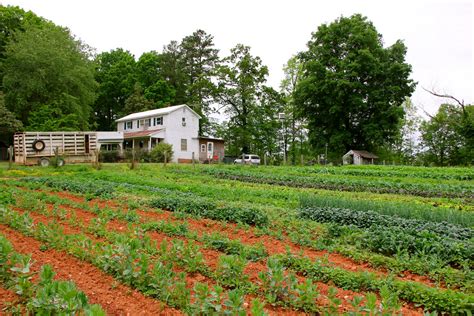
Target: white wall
x=175, y=131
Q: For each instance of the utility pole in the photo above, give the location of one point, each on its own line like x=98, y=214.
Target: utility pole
x=281, y=117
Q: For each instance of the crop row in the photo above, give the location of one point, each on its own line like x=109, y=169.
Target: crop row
x=46, y=296
x=411, y=210
x=366, y=219
x=129, y=257
x=432, y=299
x=381, y=235
x=435, y=268
x=236, y=279
x=345, y=184
x=168, y=199
x=463, y=174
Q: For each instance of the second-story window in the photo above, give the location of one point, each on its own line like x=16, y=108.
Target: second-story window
x=157, y=121
x=138, y=123
x=183, y=121
x=127, y=125
x=148, y=122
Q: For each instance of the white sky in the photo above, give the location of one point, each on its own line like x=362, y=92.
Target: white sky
x=438, y=34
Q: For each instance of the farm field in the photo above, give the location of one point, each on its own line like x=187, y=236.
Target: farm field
x=237, y=240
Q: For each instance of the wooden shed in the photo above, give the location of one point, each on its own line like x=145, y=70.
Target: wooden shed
x=33, y=148
x=359, y=157
x=211, y=149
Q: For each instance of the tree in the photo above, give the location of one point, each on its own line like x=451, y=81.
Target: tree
x=352, y=88
x=405, y=143
x=46, y=66
x=14, y=19
x=172, y=71
x=115, y=74
x=294, y=126
x=151, y=79
x=441, y=136
x=199, y=61
x=240, y=82
x=9, y=125
x=137, y=102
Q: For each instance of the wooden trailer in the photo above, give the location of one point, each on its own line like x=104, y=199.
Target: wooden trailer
x=32, y=148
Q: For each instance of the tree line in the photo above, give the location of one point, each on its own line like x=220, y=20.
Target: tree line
x=346, y=91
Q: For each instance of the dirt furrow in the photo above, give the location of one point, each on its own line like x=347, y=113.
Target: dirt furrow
x=100, y=288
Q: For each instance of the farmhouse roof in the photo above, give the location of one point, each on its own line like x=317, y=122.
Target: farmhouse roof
x=146, y=133
x=155, y=112
x=362, y=153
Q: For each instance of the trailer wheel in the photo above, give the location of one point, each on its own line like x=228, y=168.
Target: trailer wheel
x=38, y=145
x=43, y=162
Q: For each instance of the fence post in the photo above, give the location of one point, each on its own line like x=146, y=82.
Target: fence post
x=302, y=160
x=10, y=157
x=265, y=159
x=166, y=158
x=193, y=161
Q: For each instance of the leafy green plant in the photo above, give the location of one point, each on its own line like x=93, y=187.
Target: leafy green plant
x=230, y=272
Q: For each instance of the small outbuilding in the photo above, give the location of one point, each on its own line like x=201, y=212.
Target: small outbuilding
x=211, y=149
x=359, y=157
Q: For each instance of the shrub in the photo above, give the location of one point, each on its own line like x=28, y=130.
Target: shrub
x=109, y=156
x=157, y=154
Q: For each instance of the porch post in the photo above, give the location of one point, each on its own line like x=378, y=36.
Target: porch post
x=149, y=144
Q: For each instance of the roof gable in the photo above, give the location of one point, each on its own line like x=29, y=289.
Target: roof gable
x=155, y=112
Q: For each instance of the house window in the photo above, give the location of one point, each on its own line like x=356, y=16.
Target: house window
x=183, y=121
x=138, y=123
x=148, y=122
x=184, y=144
x=157, y=121
x=203, y=148
x=210, y=147
x=127, y=125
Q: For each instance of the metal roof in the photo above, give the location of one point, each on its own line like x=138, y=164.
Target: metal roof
x=155, y=112
x=362, y=153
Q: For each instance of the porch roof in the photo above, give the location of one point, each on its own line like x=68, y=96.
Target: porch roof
x=143, y=134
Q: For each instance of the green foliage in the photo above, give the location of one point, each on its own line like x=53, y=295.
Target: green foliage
x=240, y=85
x=392, y=208
x=444, y=138
x=433, y=299
x=206, y=208
x=349, y=77
x=47, y=296
x=115, y=73
x=92, y=188
x=158, y=153
x=367, y=219
x=347, y=184
x=230, y=272
x=48, y=72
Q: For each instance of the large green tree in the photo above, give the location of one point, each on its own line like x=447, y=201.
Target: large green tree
x=443, y=136
x=45, y=66
x=241, y=87
x=116, y=76
x=352, y=87
x=199, y=60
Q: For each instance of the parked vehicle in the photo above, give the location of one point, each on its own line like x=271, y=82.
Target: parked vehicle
x=248, y=159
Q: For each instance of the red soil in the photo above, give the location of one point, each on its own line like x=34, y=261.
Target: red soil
x=8, y=299
x=271, y=244
x=100, y=288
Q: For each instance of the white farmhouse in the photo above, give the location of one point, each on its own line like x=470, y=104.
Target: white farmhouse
x=176, y=125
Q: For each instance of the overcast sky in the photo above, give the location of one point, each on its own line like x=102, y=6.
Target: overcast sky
x=438, y=34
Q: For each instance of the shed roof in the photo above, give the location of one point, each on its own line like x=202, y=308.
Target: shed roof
x=155, y=112
x=362, y=153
